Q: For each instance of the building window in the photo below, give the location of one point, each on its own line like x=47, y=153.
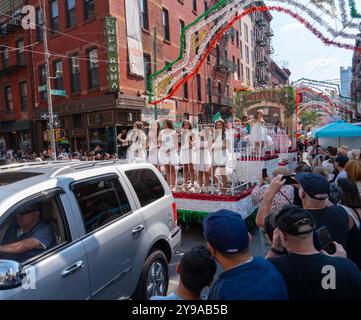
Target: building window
x=74, y=73
x=9, y=100
x=209, y=85
x=166, y=33
x=237, y=38
x=93, y=68
x=182, y=25
x=42, y=82
x=147, y=70
x=219, y=92
x=242, y=73
x=246, y=33
x=54, y=16
x=70, y=13
x=20, y=54
x=23, y=96
x=208, y=59
x=205, y=6
x=218, y=55
x=144, y=14
x=58, y=73
x=199, y=88
x=233, y=61
x=185, y=87
x=89, y=9
x=77, y=121
x=241, y=49
x=5, y=58
x=39, y=23
x=247, y=54
x=248, y=75
x=195, y=5
x=239, y=69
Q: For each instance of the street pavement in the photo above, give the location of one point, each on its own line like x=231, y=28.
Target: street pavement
x=192, y=235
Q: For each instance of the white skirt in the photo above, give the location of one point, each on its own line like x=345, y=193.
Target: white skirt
x=258, y=133
x=168, y=158
x=186, y=156
x=202, y=159
x=136, y=154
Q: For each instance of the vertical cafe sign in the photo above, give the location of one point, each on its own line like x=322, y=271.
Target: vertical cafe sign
x=112, y=49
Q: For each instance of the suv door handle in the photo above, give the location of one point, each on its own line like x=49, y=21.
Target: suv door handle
x=75, y=267
x=137, y=230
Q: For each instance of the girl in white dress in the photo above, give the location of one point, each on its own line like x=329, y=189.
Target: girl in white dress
x=168, y=152
x=187, y=154
x=258, y=130
x=154, y=144
x=203, y=158
x=138, y=140
x=221, y=153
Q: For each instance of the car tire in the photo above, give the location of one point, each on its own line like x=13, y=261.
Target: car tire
x=154, y=278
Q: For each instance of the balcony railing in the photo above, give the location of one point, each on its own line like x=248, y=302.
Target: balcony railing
x=226, y=65
x=269, y=32
x=11, y=25
x=11, y=67
x=261, y=42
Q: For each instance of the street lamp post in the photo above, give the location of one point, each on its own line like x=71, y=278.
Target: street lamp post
x=48, y=85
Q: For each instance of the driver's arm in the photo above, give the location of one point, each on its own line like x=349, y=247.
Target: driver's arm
x=21, y=246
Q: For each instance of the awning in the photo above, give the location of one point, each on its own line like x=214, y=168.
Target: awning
x=10, y=126
x=338, y=129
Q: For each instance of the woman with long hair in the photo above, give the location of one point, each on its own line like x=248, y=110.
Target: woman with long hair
x=154, y=144
x=203, y=158
x=168, y=152
x=138, y=140
x=258, y=130
x=350, y=199
x=221, y=155
x=353, y=170
x=187, y=155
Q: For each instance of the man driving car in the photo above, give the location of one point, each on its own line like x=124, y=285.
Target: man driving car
x=27, y=236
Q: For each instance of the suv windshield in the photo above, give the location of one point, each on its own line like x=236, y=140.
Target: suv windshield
x=12, y=177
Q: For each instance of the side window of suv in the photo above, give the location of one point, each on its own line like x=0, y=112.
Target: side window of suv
x=101, y=201
x=37, y=225
x=146, y=185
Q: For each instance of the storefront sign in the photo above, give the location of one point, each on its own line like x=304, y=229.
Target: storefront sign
x=165, y=110
x=112, y=48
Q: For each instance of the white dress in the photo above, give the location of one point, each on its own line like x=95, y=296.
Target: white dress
x=202, y=154
x=137, y=149
x=153, y=148
x=258, y=132
x=220, y=154
x=186, y=155
x=168, y=151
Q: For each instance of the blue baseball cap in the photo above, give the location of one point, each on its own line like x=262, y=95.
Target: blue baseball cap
x=316, y=186
x=226, y=231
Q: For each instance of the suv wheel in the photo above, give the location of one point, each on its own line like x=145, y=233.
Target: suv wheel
x=154, y=278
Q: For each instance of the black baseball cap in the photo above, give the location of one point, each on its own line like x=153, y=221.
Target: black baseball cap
x=295, y=221
x=316, y=186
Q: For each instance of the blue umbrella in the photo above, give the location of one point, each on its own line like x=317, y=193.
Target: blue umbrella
x=338, y=129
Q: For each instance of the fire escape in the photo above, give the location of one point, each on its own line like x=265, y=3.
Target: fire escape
x=10, y=25
x=220, y=70
x=264, y=49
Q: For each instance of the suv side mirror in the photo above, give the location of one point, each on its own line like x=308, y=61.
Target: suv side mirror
x=11, y=274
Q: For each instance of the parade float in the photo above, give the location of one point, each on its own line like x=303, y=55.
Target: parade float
x=199, y=38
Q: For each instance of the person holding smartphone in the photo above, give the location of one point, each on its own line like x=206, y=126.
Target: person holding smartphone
x=303, y=267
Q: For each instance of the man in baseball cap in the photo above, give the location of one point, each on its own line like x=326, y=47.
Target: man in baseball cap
x=316, y=186
x=245, y=277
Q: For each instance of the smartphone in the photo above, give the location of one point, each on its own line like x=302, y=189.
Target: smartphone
x=264, y=173
x=325, y=240
x=289, y=179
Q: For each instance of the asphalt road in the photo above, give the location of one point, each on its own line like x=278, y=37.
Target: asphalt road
x=192, y=236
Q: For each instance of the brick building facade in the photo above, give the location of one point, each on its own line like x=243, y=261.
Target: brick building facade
x=92, y=111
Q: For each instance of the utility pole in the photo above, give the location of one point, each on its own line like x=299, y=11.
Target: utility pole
x=155, y=68
x=48, y=84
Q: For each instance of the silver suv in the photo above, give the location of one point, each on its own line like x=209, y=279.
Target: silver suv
x=104, y=230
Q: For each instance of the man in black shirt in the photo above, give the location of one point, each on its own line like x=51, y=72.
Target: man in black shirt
x=310, y=274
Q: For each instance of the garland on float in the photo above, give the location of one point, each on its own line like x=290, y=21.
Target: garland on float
x=168, y=85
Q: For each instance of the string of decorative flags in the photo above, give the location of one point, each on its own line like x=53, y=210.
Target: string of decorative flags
x=201, y=36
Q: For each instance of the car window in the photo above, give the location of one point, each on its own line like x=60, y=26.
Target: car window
x=101, y=201
x=146, y=184
x=41, y=218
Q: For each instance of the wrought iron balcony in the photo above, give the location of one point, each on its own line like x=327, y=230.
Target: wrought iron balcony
x=226, y=65
x=11, y=25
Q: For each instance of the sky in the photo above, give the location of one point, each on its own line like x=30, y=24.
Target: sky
x=306, y=55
